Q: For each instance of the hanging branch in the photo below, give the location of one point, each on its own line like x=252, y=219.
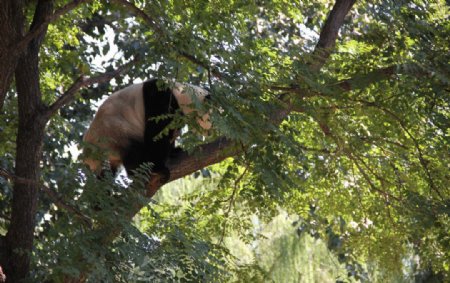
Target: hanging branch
x=421, y=156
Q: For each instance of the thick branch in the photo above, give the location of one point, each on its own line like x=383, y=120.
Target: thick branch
x=355, y=83
x=185, y=164
x=82, y=82
x=330, y=32
x=363, y=81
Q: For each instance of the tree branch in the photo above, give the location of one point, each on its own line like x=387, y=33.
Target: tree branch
x=82, y=82
x=330, y=32
x=51, y=193
x=423, y=161
x=37, y=29
x=203, y=156
x=366, y=176
x=363, y=81
x=165, y=37
x=355, y=83
x=140, y=13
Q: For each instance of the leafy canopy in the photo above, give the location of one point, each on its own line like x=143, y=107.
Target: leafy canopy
x=357, y=153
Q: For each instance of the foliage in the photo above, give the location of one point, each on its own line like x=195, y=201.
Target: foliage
x=358, y=165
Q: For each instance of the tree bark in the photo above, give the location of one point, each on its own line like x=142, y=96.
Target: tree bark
x=25, y=196
x=11, y=23
x=19, y=239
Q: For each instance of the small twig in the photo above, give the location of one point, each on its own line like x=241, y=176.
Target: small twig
x=316, y=150
x=375, y=139
x=165, y=37
x=421, y=156
x=51, y=193
x=368, y=180
x=232, y=200
x=377, y=176
x=354, y=159
x=355, y=83
x=362, y=207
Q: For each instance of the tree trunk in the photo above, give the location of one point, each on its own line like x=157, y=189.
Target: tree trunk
x=29, y=141
x=25, y=196
x=32, y=121
x=11, y=24
x=29, y=147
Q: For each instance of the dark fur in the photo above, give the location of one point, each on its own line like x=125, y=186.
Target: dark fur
x=158, y=100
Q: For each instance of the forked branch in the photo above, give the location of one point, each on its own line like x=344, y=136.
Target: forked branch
x=37, y=29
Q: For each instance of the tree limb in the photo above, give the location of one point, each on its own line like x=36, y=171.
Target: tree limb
x=329, y=32
x=203, y=156
x=82, y=82
x=355, y=83
x=363, y=81
x=37, y=29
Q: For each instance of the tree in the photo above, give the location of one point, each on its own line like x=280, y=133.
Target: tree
x=337, y=112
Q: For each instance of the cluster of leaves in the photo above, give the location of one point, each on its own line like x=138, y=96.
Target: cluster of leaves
x=73, y=244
